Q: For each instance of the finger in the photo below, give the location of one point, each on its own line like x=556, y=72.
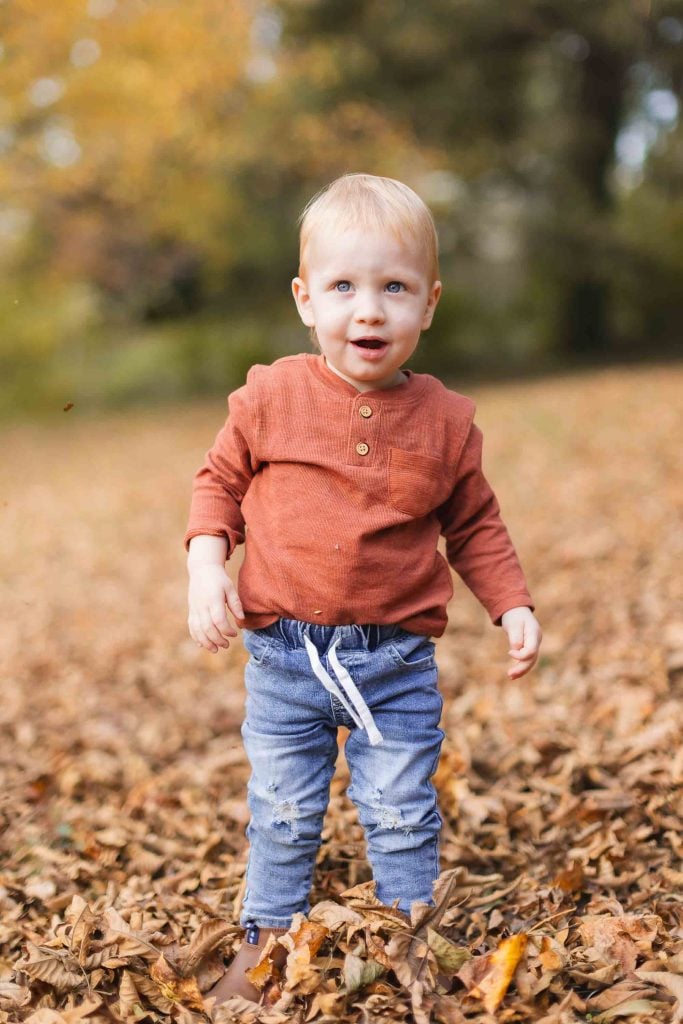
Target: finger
x=522, y=667
x=530, y=646
x=221, y=622
x=194, y=631
x=523, y=653
x=234, y=603
x=516, y=635
x=198, y=633
x=517, y=673
x=203, y=641
x=211, y=633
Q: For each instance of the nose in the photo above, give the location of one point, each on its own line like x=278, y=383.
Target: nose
x=369, y=309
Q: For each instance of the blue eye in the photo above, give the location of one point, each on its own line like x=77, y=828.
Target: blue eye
x=394, y=287
x=342, y=286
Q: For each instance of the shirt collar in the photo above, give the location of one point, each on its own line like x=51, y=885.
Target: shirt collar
x=411, y=387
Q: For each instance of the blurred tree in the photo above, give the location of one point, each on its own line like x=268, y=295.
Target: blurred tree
x=113, y=113
x=154, y=156
x=536, y=91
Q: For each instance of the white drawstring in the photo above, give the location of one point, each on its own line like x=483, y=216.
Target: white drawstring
x=357, y=708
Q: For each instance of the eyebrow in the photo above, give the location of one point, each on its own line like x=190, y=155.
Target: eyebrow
x=391, y=275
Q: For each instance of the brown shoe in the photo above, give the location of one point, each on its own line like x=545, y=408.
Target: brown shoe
x=234, y=982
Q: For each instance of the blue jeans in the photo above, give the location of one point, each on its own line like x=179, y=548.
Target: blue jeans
x=290, y=736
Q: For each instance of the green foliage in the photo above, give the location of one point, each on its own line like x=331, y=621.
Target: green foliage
x=148, y=198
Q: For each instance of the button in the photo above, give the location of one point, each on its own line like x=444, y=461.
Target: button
x=362, y=448
x=365, y=411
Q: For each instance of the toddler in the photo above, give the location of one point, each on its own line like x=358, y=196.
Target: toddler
x=342, y=470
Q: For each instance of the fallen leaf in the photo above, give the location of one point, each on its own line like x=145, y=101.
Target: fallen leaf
x=671, y=982
x=496, y=971
x=357, y=973
x=174, y=987
x=630, y=1008
x=449, y=957
x=59, y=971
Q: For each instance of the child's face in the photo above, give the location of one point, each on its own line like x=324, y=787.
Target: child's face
x=368, y=295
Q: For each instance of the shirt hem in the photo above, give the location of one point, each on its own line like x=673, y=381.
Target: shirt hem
x=422, y=625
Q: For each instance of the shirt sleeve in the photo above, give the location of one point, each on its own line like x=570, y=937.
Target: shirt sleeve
x=478, y=545
x=222, y=481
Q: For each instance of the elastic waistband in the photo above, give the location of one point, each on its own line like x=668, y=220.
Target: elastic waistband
x=368, y=637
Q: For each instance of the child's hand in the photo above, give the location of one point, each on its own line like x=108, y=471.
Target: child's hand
x=209, y=591
x=524, y=635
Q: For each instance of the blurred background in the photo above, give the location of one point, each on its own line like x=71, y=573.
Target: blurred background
x=155, y=154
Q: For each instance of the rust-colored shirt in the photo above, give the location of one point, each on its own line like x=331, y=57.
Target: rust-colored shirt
x=342, y=496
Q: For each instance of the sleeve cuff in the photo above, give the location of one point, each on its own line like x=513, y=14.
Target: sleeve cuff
x=521, y=600
x=208, y=531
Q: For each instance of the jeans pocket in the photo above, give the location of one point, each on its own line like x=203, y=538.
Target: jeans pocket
x=409, y=650
x=259, y=647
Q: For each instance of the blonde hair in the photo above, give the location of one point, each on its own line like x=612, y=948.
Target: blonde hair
x=367, y=201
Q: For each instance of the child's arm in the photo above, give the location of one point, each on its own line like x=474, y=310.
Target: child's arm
x=216, y=525
x=479, y=548
x=209, y=591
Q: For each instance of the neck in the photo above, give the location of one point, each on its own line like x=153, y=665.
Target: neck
x=399, y=378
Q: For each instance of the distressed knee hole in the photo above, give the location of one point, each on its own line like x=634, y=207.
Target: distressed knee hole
x=285, y=812
x=390, y=817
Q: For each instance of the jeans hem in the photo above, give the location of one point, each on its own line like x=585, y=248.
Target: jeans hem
x=266, y=922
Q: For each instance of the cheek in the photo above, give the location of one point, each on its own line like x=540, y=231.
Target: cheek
x=330, y=312
x=409, y=318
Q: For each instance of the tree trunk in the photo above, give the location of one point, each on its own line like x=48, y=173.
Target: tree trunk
x=584, y=305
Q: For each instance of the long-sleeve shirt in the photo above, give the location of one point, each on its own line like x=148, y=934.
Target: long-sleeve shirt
x=342, y=496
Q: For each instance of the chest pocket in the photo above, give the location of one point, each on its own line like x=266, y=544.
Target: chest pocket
x=415, y=482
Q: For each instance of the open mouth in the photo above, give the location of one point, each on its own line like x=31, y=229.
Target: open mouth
x=371, y=343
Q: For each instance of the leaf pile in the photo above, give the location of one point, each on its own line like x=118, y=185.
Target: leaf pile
x=122, y=796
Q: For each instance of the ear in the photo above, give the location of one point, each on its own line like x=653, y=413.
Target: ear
x=432, y=300
x=303, y=301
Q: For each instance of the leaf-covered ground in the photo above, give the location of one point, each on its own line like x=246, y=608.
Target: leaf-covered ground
x=123, y=778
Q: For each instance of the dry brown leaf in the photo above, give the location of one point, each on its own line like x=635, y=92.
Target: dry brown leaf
x=300, y=974
x=376, y=947
x=671, y=982
x=619, y=938
x=414, y=964
x=13, y=995
x=334, y=916
x=264, y=971
x=174, y=987
x=70, y=1015
x=130, y=1002
x=422, y=915
x=205, y=940
x=47, y=965
x=550, y=954
x=570, y=879
x=447, y=1011
x=327, y=1004
x=631, y=988
x=152, y=993
x=362, y=898
x=629, y=1008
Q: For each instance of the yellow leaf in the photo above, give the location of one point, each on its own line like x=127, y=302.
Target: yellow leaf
x=262, y=973
x=501, y=966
